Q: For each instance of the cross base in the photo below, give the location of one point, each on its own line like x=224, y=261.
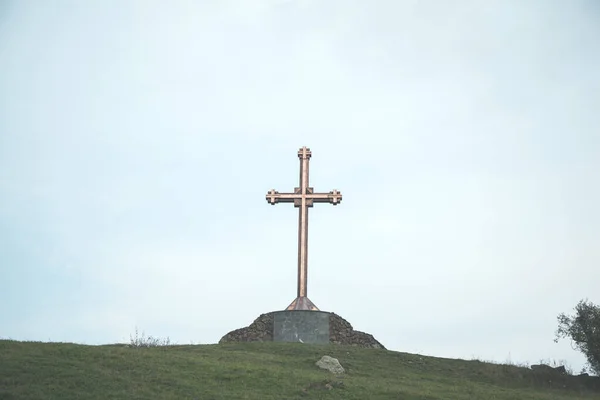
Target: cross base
x=302, y=303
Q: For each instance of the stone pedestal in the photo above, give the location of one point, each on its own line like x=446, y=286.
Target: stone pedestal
x=310, y=326
x=301, y=326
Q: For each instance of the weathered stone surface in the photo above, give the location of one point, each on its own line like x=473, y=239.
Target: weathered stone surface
x=330, y=364
x=340, y=332
x=301, y=326
x=261, y=330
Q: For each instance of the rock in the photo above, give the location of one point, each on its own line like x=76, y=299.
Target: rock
x=341, y=332
x=331, y=364
x=261, y=330
x=547, y=368
x=561, y=369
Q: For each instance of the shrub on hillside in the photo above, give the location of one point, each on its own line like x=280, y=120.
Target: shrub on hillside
x=583, y=329
x=141, y=340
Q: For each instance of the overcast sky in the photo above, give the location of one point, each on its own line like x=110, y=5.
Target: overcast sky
x=138, y=140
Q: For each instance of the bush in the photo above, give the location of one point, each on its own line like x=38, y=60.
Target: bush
x=583, y=329
x=141, y=340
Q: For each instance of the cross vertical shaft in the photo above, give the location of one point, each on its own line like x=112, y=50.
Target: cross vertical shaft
x=304, y=155
x=303, y=198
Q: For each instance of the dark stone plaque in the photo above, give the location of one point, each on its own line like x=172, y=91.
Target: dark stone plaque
x=301, y=326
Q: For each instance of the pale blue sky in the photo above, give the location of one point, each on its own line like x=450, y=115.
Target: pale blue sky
x=138, y=140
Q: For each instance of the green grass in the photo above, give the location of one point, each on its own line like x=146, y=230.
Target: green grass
x=261, y=371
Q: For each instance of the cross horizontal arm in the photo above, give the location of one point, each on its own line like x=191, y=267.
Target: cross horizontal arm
x=283, y=197
x=334, y=197
x=331, y=197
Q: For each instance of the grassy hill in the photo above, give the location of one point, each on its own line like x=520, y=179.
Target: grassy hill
x=263, y=371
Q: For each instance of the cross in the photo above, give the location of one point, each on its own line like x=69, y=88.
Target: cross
x=303, y=198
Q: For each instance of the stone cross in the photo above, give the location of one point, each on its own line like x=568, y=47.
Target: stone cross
x=303, y=198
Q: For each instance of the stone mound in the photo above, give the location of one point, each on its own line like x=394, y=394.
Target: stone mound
x=261, y=330
x=340, y=332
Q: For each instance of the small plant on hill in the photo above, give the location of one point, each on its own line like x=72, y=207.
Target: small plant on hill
x=583, y=329
x=141, y=340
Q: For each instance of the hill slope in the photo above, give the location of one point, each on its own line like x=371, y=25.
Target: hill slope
x=262, y=371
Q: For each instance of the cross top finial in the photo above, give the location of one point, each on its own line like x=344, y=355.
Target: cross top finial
x=304, y=153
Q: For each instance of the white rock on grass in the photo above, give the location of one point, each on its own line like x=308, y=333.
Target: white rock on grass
x=331, y=364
